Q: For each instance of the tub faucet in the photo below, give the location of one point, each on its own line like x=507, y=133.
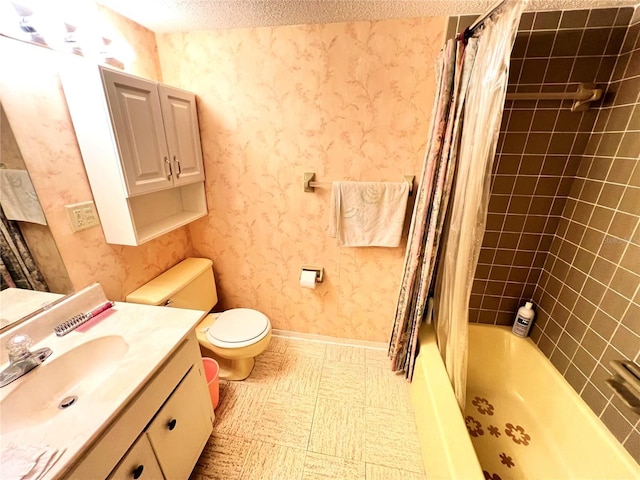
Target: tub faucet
x=625, y=383
x=21, y=359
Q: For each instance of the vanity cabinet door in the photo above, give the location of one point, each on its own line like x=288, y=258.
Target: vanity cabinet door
x=182, y=427
x=136, y=116
x=139, y=463
x=183, y=135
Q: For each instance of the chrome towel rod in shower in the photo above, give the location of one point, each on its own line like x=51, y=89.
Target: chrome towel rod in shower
x=586, y=93
x=310, y=184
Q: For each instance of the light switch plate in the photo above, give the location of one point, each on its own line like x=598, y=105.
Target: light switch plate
x=82, y=216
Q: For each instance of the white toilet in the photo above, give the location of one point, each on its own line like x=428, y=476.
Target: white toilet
x=234, y=337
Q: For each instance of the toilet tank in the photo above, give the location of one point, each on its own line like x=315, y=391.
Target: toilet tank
x=189, y=284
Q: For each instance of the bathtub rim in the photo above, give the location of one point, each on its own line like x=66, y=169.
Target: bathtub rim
x=445, y=445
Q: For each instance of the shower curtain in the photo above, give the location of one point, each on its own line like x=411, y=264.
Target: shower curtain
x=18, y=269
x=428, y=215
x=472, y=81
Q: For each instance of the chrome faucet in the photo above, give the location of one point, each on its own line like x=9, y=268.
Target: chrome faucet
x=625, y=382
x=21, y=359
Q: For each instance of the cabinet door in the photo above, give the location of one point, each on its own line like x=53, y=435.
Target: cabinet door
x=136, y=116
x=139, y=463
x=183, y=135
x=182, y=427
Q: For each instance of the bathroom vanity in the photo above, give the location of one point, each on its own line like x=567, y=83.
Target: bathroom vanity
x=141, y=407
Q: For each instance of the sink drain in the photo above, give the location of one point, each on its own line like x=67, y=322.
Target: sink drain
x=67, y=402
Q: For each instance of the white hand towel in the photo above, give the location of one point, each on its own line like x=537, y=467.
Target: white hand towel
x=18, y=197
x=44, y=464
x=368, y=214
x=27, y=462
x=19, y=461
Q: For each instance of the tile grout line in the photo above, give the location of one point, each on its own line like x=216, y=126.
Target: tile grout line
x=547, y=219
x=597, y=359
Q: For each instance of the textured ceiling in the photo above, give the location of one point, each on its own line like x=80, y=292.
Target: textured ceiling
x=185, y=15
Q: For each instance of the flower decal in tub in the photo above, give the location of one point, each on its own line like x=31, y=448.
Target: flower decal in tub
x=483, y=405
x=489, y=476
x=495, y=431
x=507, y=460
x=474, y=427
x=517, y=434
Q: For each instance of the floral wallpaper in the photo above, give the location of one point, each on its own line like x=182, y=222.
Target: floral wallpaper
x=135, y=45
x=38, y=237
x=31, y=94
x=10, y=155
x=350, y=101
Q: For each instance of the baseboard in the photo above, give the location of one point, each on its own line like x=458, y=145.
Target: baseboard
x=312, y=337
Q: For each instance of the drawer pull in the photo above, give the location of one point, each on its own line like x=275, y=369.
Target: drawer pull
x=137, y=472
x=172, y=424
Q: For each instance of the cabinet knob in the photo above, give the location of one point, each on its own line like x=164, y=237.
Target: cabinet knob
x=172, y=424
x=175, y=159
x=137, y=472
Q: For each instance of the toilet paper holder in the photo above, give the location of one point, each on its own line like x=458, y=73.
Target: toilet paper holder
x=318, y=270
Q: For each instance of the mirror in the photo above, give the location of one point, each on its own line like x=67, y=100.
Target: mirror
x=36, y=110
x=16, y=303
x=20, y=305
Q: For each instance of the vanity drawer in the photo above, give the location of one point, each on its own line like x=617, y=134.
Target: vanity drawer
x=138, y=464
x=180, y=430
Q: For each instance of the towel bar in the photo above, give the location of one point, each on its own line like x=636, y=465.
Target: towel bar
x=310, y=184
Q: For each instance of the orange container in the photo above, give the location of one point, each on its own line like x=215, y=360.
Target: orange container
x=211, y=372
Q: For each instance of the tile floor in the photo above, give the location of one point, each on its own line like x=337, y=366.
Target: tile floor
x=312, y=411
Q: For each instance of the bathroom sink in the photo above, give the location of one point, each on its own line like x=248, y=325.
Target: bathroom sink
x=55, y=387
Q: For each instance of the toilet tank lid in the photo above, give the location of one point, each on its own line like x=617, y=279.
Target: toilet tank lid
x=158, y=290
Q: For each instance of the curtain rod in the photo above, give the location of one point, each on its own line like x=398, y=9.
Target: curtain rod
x=469, y=31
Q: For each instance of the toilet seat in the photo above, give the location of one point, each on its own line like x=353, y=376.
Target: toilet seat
x=238, y=327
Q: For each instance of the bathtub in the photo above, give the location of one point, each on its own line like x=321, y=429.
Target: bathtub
x=522, y=419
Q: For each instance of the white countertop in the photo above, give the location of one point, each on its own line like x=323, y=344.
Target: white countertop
x=151, y=333
x=16, y=303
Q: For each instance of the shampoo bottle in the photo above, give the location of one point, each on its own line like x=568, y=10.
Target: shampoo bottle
x=524, y=318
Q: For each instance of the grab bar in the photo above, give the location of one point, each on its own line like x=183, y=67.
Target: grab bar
x=586, y=93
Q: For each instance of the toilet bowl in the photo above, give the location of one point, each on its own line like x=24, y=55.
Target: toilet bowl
x=233, y=338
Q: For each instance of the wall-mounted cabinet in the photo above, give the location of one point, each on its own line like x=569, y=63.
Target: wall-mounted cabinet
x=140, y=143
